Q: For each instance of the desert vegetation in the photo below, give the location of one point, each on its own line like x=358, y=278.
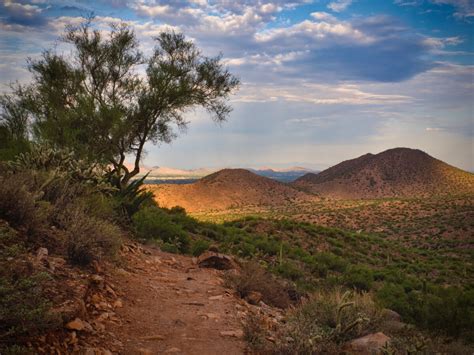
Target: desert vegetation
x=336, y=270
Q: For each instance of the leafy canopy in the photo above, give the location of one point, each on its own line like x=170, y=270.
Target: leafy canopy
x=106, y=99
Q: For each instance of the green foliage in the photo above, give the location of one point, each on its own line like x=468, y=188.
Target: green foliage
x=199, y=246
x=62, y=163
x=88, y=238
x=20, y=204
x=359, y=277
x=442, y=309
x=94, y=102
x=153, y=223
x=326, y=320
x=132, y=197
x=24, y=309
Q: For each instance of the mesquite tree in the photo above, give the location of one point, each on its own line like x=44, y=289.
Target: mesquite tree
x=106, y=99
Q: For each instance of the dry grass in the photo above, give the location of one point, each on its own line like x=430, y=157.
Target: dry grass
x=254, y=278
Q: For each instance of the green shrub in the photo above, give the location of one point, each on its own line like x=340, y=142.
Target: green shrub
x=359, y=277
x=199, y=246
x=19, y=205
x=152, y=223
x=24, y=309
x=327, y=320
x=290, y=271
x=88, y=238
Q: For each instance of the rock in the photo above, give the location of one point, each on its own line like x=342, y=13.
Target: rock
x=173, y=350
x=143, y=351
x=389, y=315
x=42, y=254
x=216, y=261
x=369, y=344
x=215, y=298
x=394, y=326
x=76, y=324
x=253, y=297
x=232, y=333
x=118, y=304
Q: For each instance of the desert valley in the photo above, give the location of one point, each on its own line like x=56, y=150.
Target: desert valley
x=318, y=197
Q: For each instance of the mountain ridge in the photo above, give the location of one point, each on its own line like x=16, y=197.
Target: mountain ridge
x=392, y=173
x=227, y=188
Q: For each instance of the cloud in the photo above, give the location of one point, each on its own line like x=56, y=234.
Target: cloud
x=15, y=13
x=463, y=9
x=339, y=5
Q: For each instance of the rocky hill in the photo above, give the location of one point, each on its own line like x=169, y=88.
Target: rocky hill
x=394, y=172
x=226, y=189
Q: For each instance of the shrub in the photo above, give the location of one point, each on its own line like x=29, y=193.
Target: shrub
x=88, y=238
x=290, y=271
x=19, y=205
x=133, y=197
x=24, y=309
x=152, y=223
x=326, y=320
x=199, y=246
x=254, y=278
x=359, y=277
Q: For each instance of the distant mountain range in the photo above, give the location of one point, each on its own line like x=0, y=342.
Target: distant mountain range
x=399, y=172
x=392, y=173
x=175, y=175
x=227, y=188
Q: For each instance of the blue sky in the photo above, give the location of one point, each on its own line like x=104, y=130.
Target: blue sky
x=322, y=80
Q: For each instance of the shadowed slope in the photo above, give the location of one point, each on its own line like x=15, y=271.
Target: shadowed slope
x=394, y=172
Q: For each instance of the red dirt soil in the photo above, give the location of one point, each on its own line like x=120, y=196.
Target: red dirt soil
x=173, y=306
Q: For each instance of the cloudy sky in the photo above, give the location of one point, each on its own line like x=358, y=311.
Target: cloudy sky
x=322, y=81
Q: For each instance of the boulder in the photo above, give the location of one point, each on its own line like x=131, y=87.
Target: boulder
x=369, y=344
x=216, y=261
x=389, y=315
x=253, y=297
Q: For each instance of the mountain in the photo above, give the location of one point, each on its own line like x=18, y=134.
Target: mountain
x=282, y=175
x=163, y=172
x=172, y=174
x=226, y=189
x=392, y=173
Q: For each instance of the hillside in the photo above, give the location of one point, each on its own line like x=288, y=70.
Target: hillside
x=394, y=172
x=225, y=189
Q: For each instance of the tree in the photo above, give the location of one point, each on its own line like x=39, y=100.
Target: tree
x=106, y=99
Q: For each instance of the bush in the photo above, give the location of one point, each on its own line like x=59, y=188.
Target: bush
x=152, y=223
x=24, y=309
x=19, y=205
x=88, y=238
x=326, y=320
x=290, y=271
x=199, y=246
x=359, y=277
x=254, y=278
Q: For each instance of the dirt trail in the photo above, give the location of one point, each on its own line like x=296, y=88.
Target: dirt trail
x=170, y=305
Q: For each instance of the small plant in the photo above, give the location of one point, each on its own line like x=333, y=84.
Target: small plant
x=327, y=320
x=88, y=238
x=254, y=278
x=153, y=223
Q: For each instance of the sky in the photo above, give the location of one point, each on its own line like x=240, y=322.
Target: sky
x=322, y=80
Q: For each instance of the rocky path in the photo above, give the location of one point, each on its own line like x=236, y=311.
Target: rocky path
x=170, y=305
